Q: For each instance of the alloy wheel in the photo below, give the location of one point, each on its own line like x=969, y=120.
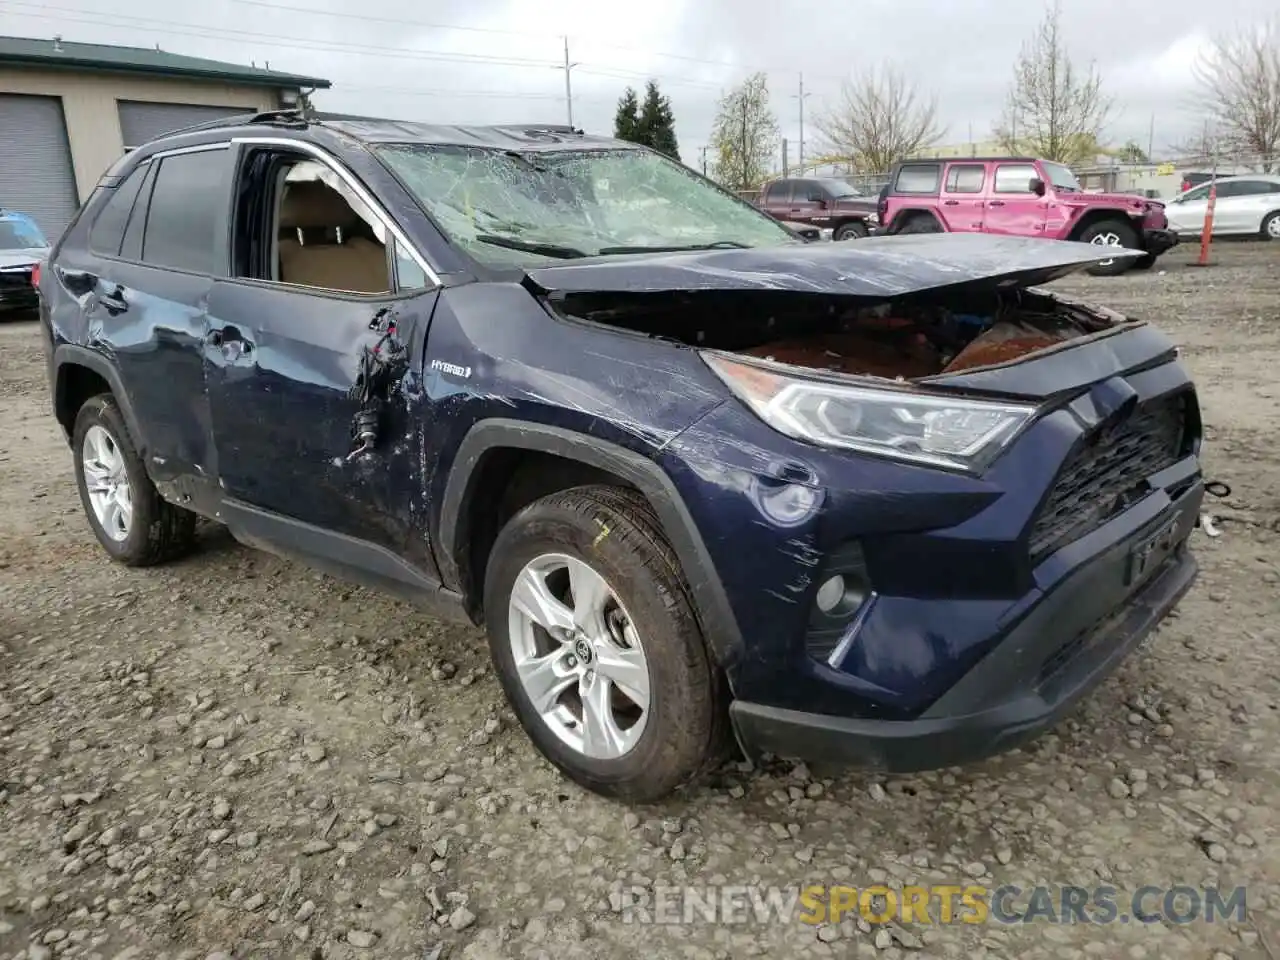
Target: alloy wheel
x=578, y=656
x=107, y=482
x=1106, y=240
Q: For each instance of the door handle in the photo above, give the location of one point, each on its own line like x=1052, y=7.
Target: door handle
x=995, y=203
x=213, y=338
x=114, y=301
x=951, y=203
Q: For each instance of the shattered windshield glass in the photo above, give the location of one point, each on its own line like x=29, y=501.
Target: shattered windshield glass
x=508, y=208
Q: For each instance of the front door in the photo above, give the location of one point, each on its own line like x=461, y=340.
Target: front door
x=305, y=361
x=1011, y=205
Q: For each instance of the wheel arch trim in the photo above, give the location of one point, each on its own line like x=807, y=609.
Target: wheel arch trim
x=711, y=602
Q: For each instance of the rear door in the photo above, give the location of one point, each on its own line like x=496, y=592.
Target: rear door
x=963, y=196
x=157, y=246
x=1246, y=203
x=1012, y=206
x=777, y=199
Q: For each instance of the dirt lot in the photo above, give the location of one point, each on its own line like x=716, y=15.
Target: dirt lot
x=236, y=757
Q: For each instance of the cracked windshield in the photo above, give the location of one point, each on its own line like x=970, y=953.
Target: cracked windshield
x=509, y=209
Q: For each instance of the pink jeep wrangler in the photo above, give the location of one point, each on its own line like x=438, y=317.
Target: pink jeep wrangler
x=1025, y=197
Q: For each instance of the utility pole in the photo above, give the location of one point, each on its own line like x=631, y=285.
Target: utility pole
x=568, y=85
x=801, y=97
x=785, y=152
x=704, y=160
x=1151, y=140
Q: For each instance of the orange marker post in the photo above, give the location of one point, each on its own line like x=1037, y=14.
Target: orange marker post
x=1206, y=232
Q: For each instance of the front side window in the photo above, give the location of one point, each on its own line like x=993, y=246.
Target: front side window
x=20, y=235
x=507, y=208
x=188, y=202
x=1014, y=177
x=839, y=188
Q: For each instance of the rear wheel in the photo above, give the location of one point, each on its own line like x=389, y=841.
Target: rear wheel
x=921, y=223
x=1111, y=233
x=595, y=642
x=134, y=524
x=1271, y=226
x=853, y=230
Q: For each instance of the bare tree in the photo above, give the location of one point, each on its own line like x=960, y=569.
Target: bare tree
x=881, y=118
x=1055, y=109
x=1239, y=81
x=744, y=135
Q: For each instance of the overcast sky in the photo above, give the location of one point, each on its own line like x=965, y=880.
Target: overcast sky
x=490, y=61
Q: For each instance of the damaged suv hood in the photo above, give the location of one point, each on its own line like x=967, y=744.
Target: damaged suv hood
x=874, y=268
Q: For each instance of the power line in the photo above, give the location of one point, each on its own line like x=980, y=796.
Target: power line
x=403, y=21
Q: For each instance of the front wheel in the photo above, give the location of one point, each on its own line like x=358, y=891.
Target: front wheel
x=596, y=645
x=853, y=230
x=1111, y=233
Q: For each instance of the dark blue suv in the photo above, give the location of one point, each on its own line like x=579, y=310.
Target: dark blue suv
x=888, y=502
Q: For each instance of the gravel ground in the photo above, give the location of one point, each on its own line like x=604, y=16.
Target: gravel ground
x=234, y=756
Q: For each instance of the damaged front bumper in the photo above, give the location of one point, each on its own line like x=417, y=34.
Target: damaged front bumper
x=1068, y=641
x=1156, y=242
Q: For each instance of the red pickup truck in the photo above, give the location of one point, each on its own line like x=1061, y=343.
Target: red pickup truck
x=1024, y=197
x=824, y=202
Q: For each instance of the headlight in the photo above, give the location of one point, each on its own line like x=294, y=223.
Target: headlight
x=943, y=431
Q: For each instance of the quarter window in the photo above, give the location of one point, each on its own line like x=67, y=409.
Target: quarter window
x=918, y=178
x=107, y=232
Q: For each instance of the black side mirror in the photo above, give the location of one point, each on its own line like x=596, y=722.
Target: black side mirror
x=1037, y=186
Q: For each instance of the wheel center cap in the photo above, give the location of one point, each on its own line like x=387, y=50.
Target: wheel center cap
x=582, y=650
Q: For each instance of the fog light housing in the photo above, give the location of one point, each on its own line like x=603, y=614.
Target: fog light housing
x=830, y=594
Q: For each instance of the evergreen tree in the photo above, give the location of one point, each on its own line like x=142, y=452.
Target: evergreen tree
x=626, y=122
x=657, y=124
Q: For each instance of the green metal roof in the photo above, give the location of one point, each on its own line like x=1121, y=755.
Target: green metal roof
x=60, y=54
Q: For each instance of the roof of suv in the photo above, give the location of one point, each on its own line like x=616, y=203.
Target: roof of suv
x=525, y=137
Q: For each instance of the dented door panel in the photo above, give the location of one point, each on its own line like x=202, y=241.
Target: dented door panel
x=281, y=365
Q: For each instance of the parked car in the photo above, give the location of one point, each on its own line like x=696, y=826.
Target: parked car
x=828, y=203
x=1194, y=179
x=1023, y=197
x=22, y=246
x=885, y=502
x=1247, y=205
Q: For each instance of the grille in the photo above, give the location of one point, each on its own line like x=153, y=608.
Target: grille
x=1109, y=472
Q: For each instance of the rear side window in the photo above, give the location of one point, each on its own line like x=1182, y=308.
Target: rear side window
x=780, y=192
x=918, y=178
x=966, y=178
x=188, y=203
x=1014, y=177
x=107, y=232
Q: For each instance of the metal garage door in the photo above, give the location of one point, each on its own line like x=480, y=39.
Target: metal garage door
x=35, y=161
x=140, y=122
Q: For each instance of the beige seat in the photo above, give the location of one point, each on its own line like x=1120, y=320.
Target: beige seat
x=316, y=213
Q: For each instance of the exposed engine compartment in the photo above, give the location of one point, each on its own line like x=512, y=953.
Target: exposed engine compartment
x=906, y=338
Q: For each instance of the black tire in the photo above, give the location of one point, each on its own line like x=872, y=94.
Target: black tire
x=1270, y=226
x=1127, y=236
x=1145, y=263
x=921, y=223
x=159, y=531
x=853, y=230
x=685, y=730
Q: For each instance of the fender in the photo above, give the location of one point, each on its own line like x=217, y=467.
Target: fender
x=74, y=355
x=711, y=603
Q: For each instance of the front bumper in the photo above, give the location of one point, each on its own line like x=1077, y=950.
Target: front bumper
x=1156, y=242
x=1063, y=648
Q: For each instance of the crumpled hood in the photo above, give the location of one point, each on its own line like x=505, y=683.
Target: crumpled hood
x=874, y=268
